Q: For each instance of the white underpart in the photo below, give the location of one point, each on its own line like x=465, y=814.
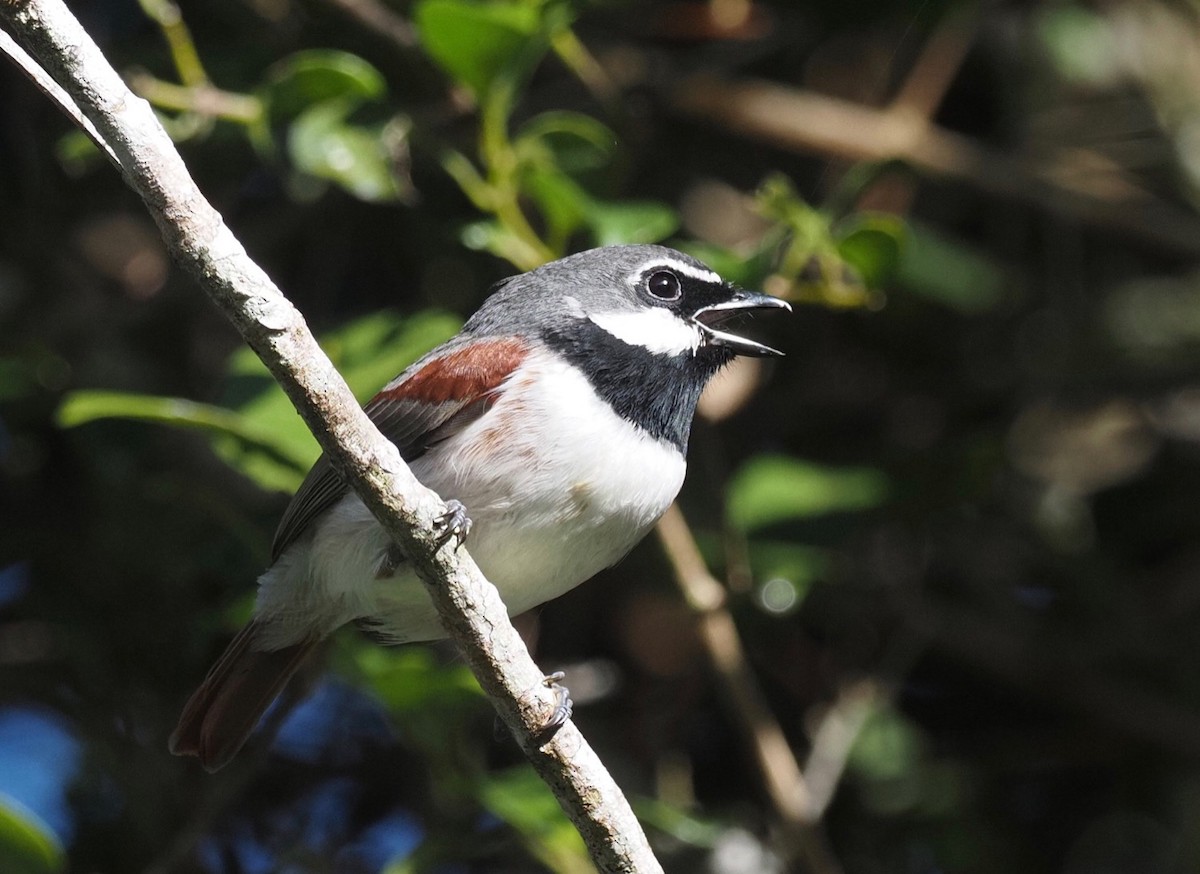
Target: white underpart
x=701, y=273
x=655, y=329
x=558, y=487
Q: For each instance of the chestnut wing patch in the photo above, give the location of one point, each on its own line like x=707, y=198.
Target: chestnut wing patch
x=416, y=411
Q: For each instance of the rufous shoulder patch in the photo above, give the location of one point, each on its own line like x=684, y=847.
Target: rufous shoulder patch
x=464, y=374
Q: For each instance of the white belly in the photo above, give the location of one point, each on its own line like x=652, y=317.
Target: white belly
x=558, y=487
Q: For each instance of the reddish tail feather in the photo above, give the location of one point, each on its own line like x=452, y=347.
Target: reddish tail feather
x=221, y=714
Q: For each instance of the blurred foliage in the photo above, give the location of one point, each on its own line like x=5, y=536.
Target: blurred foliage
x=26, y=846
x=970, y=483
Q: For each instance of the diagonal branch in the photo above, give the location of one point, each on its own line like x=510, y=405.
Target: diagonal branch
x=469, y=606
x=786, y=785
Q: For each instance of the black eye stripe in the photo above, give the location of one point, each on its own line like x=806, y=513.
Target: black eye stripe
x=663, y=285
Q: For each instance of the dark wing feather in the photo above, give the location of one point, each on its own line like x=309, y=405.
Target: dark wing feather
x=431, y=402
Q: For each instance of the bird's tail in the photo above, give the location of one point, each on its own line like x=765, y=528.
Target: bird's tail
x=221, y=714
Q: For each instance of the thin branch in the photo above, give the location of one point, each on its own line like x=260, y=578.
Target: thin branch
x=49, y=87
x=939, y=61
x=779, y=771
x=805, y=121
x=470, y=608
x=379, y=19
x=834, y=738
x=205, y=100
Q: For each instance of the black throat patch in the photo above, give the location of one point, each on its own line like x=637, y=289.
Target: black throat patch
x=657, y=393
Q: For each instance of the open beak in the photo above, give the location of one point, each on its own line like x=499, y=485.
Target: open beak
x=711, y=318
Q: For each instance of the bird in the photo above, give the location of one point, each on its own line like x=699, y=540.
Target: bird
x=555, y=424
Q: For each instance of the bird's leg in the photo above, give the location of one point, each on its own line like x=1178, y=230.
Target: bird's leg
x=453, y=524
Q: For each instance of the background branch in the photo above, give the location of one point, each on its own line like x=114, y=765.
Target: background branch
x=785, y=784
x=805, y=121
x=469, y=606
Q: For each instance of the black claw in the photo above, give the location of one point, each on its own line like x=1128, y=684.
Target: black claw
x=563, y=707
x=453, y=524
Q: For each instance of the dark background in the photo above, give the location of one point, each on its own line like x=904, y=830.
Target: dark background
x=958, y=520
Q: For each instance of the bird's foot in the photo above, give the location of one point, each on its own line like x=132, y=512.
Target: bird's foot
x=454, y=524
x=563, y=705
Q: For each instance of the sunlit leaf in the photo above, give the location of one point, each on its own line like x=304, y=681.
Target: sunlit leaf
x=631, y=222
x=258, y=431
x=308, y=78
x=563, y=204
x=372, y=350
x=577, y=142
x=368, y=352
x=408, y=679
x=680, y=824
x=489, y=235
x=520, y=798
x=86, y=405
x=772, y=489
x=475, y=42
x=26, y=846
x=323, y=143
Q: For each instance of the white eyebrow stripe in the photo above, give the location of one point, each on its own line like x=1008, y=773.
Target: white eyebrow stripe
x=701, y=273
x=656, y=330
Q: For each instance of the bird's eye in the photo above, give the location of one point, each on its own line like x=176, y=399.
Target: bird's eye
x=664, y=285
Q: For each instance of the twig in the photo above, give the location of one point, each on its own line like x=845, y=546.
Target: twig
x=205, y=100
x=470, y=608
x=834, y=738
x=805, y=121
x=169, y=19
x=938, y=62
x=779, y=771
x=49, y=87
x=379, y=19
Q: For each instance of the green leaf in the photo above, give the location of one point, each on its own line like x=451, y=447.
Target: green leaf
x=563, y=203
x=888, y=746
x=26, y=845
x=741, y=269
x=408, y=680
x=258, y=431
x=368, y=352
x=948, y=272
x=260, y=451
x=323, y=143
x=489, y=235
x=631, y=222
x=574, y=142
x=308, y=78
x=772, y=489
x=678, y=823
x=1084, y=45
x=478, y=42
x=77, y=153
x=872, y=246
x=786, y=572
x=520, y=798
